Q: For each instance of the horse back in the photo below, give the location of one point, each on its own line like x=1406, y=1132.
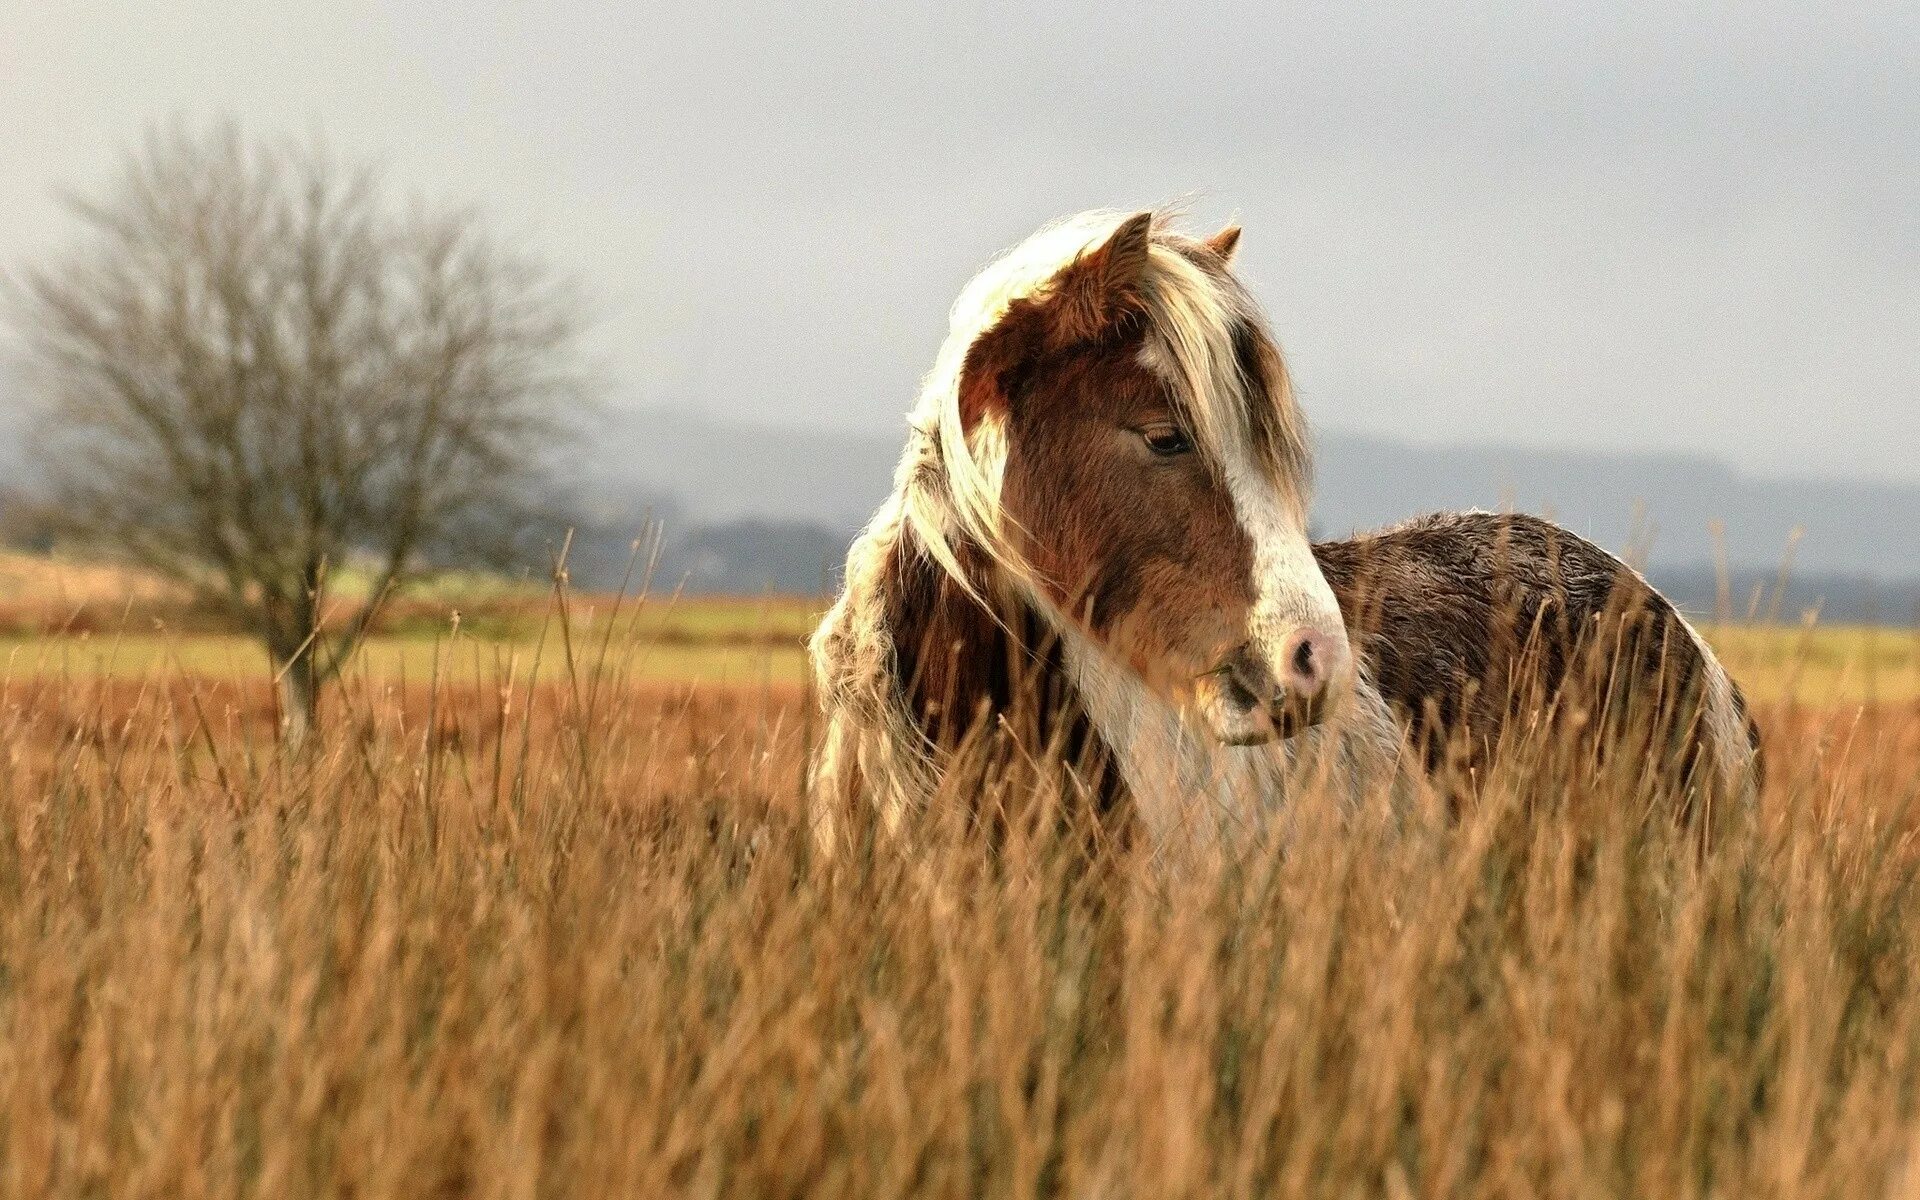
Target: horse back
x=1475, y=627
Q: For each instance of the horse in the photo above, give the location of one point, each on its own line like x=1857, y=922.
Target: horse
x=1096, y=549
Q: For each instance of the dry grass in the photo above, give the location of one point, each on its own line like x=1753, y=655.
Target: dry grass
x=552, y=931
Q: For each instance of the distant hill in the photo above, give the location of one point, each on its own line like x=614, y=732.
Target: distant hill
x=1615, y=499
x=715, y=471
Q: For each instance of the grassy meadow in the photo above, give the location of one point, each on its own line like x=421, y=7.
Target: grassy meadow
x=538, y=913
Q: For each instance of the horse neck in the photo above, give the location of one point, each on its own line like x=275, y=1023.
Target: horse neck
x=978, y=658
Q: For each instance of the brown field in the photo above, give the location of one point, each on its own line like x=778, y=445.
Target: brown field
x=540, y=915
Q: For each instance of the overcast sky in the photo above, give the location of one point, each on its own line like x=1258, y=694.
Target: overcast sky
x=1665, y=226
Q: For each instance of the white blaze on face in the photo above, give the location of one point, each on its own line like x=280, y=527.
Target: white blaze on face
x=1289, y=592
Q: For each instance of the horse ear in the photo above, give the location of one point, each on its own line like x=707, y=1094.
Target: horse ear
x=1103, y=284
x=1225, y=242
x=1086, y=298
x=993, y=360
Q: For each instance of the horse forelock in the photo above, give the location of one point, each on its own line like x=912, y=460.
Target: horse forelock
x=1207, y=338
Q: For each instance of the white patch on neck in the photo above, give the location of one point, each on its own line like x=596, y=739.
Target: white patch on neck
x=1186, y=786
x=1189, y=789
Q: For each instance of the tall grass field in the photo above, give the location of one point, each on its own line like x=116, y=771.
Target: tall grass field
x=538, y=912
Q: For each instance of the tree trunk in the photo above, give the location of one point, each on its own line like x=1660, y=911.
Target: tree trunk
x=290, y=639
x=299, y=695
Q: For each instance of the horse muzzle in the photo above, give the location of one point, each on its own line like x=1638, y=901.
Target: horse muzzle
x=1253, y=697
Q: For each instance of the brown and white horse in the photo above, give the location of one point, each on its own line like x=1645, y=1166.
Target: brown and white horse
x=1100, y=519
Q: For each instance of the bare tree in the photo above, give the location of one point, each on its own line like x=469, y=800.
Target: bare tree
x=257, y=371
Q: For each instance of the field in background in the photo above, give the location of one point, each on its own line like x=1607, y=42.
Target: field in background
x=747, y=642
x=677, y=641
x=539, y=912
x=86, y=621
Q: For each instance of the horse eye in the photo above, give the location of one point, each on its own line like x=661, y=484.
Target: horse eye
x=1167, y=440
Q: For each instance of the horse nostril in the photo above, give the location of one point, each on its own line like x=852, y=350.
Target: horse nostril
x=1303, y=662
x=1308, y=663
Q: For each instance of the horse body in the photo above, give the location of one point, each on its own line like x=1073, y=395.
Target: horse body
x=1096, y=550
x=1467, y=621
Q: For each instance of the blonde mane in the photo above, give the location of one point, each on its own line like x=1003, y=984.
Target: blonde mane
x=947, y=486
